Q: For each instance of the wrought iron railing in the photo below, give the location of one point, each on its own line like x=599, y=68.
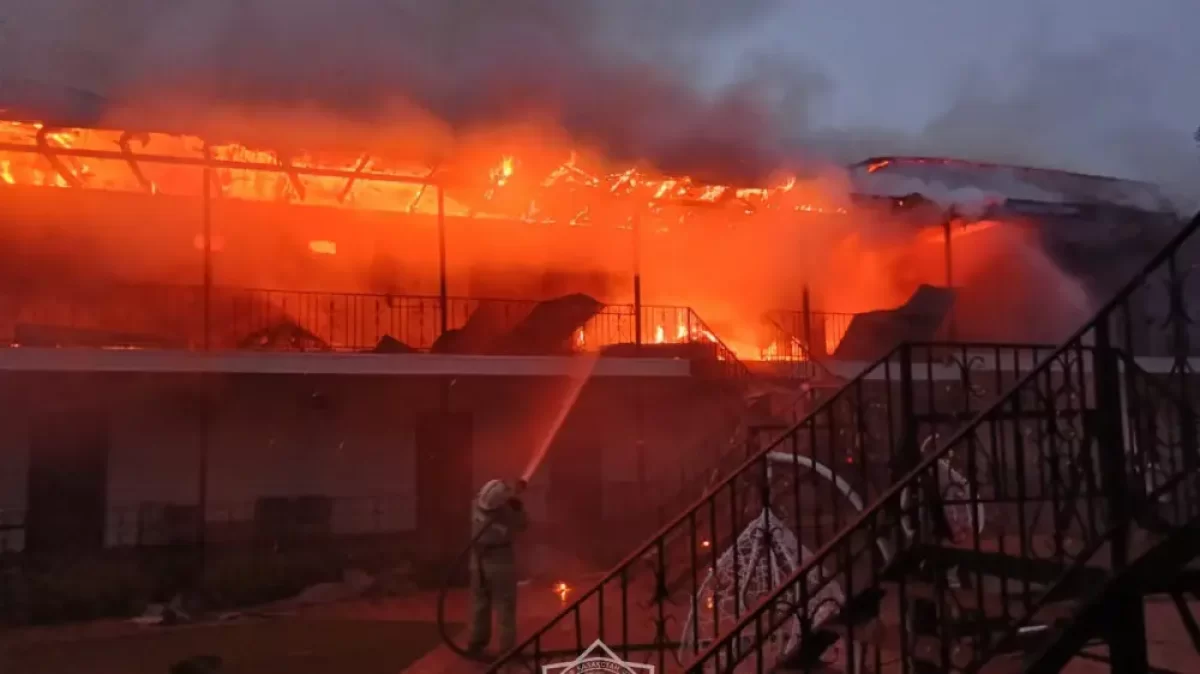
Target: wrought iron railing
x=804, y=336
x=254, y=318
x=982, y=544
x=659, y=603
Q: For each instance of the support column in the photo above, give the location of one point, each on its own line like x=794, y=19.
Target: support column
x=205, y=410
x=206, y=215
x=441, y=227
x=813, y=352
x=637, y=277
x=948, y=259
x=639, y=398
x=205, y=394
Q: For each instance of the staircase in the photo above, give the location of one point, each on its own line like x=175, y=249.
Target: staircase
x=1028, y=537
x=688, y=585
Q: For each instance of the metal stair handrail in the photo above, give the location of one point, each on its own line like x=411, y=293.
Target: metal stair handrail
x=887, y=513
x=822, y=472
x=1142, y=508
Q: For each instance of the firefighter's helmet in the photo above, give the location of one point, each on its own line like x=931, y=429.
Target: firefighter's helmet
x=494, y=495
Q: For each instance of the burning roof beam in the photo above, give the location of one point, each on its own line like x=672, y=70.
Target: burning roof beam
x=363, y=162
x=293, y=177
x=131, y=160
x=215, y=163
x=51, y=156
x=405, y=182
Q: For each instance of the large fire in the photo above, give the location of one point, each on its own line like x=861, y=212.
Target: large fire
x=159, y=163
x=731, y=254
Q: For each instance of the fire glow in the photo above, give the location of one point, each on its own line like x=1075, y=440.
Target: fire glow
x=32, y=154
x=735, y=252
x=162, y=164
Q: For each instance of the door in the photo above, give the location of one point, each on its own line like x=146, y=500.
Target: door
x=68, y=468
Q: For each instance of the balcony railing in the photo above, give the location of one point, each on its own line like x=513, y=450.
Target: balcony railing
x=247, y=318
x=795, y=331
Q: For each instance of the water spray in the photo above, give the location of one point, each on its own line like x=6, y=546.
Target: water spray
x=577, y=384
x=588, y=365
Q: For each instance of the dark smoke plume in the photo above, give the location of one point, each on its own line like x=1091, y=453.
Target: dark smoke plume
x=469, y=62
x=687, y=84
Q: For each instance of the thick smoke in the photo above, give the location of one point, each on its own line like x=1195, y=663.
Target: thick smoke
x=695, y=85
x=468, y=62
x=1088, y=112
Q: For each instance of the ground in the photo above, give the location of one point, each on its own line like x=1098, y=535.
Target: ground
x=390, y=636
x=296, y=645
x=368, y=636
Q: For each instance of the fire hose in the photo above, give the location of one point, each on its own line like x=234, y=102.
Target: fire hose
x=445, y=591
x=534, y=462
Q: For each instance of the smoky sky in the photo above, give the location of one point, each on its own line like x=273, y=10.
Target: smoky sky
x=1102, y=86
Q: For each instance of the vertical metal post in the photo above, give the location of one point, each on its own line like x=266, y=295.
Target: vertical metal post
x=1108, y=436
x=637, y=278
x=1127, y=630
x=807, y=317
x=206, y=214
x=441, y=226
x=202, y=481
x=639, y=398
x=948, y=260
x=1181, y=351
x=205, y=394
x=909, y=455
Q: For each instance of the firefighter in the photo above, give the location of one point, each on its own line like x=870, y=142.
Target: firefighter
x=500, y=515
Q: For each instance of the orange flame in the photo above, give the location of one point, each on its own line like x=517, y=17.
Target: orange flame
x=495, y=182
x=323, y=247
x=24, y=162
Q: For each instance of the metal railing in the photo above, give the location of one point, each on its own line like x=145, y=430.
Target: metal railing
x=660, y=603
x=812, y=335
x=252, y=318
x=990, y=537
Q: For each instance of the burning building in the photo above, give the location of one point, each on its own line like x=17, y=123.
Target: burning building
x=465, y=272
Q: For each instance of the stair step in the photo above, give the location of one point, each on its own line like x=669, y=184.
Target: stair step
x=873, y=618
x=991, y=602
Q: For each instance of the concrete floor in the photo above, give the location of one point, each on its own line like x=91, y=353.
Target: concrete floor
x=369, y=637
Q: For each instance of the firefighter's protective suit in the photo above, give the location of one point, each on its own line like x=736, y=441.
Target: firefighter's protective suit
x=499, y=514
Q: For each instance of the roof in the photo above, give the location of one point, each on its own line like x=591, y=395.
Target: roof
x=901, y=176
